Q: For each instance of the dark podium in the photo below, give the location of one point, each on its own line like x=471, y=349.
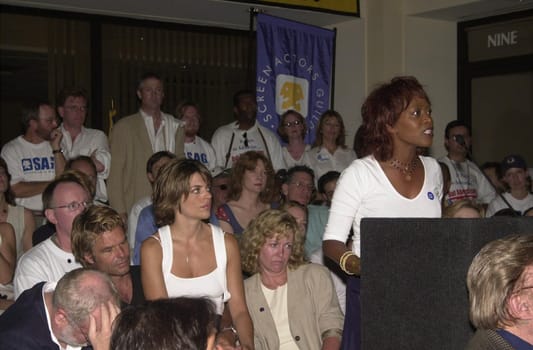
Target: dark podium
x=413, y=289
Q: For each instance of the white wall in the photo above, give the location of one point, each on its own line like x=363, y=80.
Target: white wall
x=400, y=44
x=350, y=74
x=431, y=55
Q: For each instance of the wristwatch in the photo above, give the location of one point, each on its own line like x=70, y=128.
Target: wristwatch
x=54, y=151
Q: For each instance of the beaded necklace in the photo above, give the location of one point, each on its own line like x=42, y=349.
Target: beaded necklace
x=407, y=169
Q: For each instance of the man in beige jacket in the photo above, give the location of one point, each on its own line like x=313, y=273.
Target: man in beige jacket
x=134, y=139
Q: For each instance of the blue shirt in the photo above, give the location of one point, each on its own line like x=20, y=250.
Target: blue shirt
x=516, y=342
x=145, y=228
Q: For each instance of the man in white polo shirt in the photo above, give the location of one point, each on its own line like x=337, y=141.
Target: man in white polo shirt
x=48, y=261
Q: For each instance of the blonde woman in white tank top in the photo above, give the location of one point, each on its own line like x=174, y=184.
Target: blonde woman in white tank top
x=188, y=257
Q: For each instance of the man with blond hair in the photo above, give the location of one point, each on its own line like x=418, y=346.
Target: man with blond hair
x=99, y=242
x=500, y=286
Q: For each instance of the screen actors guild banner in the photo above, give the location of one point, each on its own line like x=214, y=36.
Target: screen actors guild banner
x=294, y=64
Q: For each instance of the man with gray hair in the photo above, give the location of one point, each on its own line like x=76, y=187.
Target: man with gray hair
x=77, y=311
x=500, y=286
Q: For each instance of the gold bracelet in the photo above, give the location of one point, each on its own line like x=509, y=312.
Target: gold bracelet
x=342, y=259
x=342, y=262
x=346, y=262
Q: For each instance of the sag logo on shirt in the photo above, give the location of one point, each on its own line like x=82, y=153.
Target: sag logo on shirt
x=37, y=164
x=322, y=157
x=202, y=157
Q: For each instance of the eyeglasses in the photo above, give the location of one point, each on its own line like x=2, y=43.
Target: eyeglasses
x=245, y=135
x=295, y=123
x=77, y=108
x=73, y=206
x=302, y=185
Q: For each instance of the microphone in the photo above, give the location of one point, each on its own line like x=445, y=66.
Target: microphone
x=460, y=140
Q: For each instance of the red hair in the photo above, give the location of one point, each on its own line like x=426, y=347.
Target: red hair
x=382, y=108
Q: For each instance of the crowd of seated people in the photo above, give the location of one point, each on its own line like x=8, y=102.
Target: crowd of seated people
x=177, y=213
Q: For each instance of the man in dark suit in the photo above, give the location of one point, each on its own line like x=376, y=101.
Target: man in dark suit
x=76, y=312
x=500, y=285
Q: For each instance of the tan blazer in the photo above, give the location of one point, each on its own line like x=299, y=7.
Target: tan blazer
x=130, y=150
x=487, y=339
x=312, y=305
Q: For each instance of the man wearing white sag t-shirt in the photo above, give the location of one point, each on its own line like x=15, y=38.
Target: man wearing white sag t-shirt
x=34, y=158
x=195, y=147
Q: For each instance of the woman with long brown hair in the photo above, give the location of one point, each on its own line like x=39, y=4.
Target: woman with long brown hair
x=329, y=151
x=252, y=180
x=188, y=257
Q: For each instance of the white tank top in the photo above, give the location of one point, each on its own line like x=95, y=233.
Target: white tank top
x=213, y=285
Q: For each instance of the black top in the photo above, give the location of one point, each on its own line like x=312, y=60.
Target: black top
x=137, y=297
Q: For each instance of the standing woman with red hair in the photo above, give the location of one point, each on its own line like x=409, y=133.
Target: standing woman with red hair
x=391, y=180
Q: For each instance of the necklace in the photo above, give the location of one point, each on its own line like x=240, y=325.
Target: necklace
x=407, y=169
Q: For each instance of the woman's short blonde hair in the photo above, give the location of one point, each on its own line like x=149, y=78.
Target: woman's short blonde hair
x=452, y=210
x=271, y=223
x=494, y=275
x=172, y=185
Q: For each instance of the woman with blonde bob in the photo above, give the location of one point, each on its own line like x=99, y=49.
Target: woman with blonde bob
x=464, y=209
x=500, y=287
x=292, y=303
x=188, y=257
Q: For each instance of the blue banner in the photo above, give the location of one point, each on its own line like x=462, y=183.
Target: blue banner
x=294, y=62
